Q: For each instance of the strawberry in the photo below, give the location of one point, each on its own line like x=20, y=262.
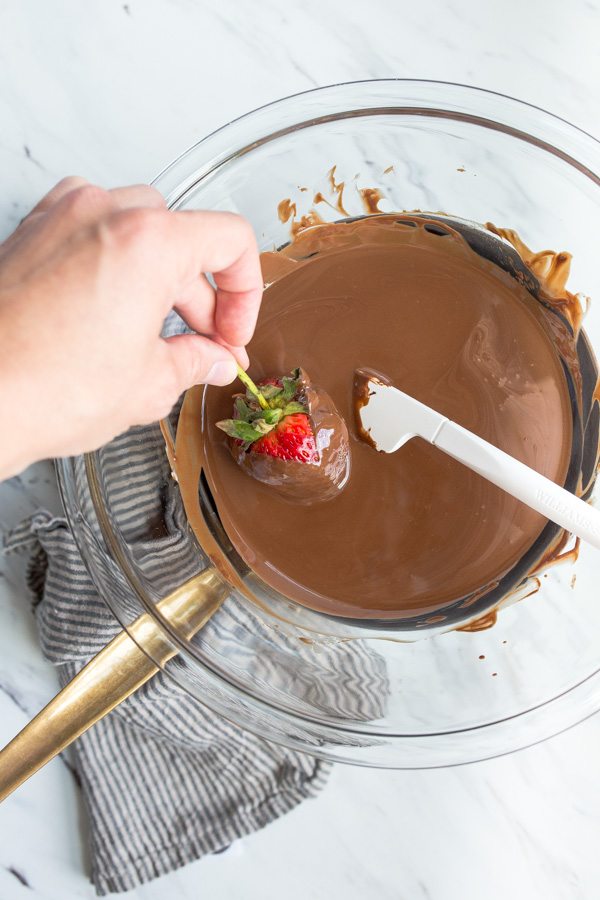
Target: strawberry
x=272, y=419
x=292, y=438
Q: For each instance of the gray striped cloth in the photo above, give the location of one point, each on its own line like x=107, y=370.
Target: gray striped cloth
x=165, y=780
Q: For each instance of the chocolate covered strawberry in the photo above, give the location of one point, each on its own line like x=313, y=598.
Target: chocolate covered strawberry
x=287, y=433
x=273, y=419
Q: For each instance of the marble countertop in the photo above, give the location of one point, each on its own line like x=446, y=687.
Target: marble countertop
x=113, y=91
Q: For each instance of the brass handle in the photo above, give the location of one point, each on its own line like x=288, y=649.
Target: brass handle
x=111, y=676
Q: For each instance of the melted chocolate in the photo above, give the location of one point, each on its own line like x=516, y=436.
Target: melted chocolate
x=413, y=531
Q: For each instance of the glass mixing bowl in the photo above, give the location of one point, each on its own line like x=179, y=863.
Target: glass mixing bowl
x=334, y=688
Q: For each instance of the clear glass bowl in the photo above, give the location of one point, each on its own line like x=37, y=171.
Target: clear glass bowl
x=335, y=690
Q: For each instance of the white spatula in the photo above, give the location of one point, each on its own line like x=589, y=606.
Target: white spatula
x=391, y=418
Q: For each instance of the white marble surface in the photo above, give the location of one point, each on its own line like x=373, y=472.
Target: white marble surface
x=113, y=91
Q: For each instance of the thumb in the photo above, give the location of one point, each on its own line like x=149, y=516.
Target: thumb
x=198, y=360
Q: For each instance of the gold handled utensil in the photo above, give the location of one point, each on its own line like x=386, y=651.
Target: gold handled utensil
x=117, y=671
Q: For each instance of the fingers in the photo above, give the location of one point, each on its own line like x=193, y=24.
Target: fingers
x=224, y=245
x=239, y=353
x=137, y=195
x=195, y=242
x=84, y=203
x=64, y=187
x=237, y=304
x=88, y=203
x=196, y=304
x=175, y=250
x=196, y=359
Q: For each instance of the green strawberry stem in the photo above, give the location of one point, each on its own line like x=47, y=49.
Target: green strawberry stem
x=245, y=378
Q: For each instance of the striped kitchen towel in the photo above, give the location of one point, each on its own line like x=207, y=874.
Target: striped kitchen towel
x=164, y=779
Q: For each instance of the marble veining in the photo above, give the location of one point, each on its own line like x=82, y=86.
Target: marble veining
x=114, y=91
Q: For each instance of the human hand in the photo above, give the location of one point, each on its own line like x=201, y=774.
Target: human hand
x=86, y=282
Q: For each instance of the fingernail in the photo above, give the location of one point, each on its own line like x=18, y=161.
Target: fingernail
x=222, y=372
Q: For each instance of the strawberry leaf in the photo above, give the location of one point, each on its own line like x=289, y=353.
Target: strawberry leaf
x=270, y=391
x=262, y=426
x=242, y=409
x=271, y=416
x=294, y=407
x=290, y=386
x=240, y=430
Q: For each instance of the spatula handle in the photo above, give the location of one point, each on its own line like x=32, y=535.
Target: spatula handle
x=522, y=482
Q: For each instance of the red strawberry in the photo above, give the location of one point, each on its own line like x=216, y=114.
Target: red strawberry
x=292, y=438
x=273, y=420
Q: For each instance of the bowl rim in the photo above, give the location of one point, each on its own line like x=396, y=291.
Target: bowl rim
x=414, y=100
